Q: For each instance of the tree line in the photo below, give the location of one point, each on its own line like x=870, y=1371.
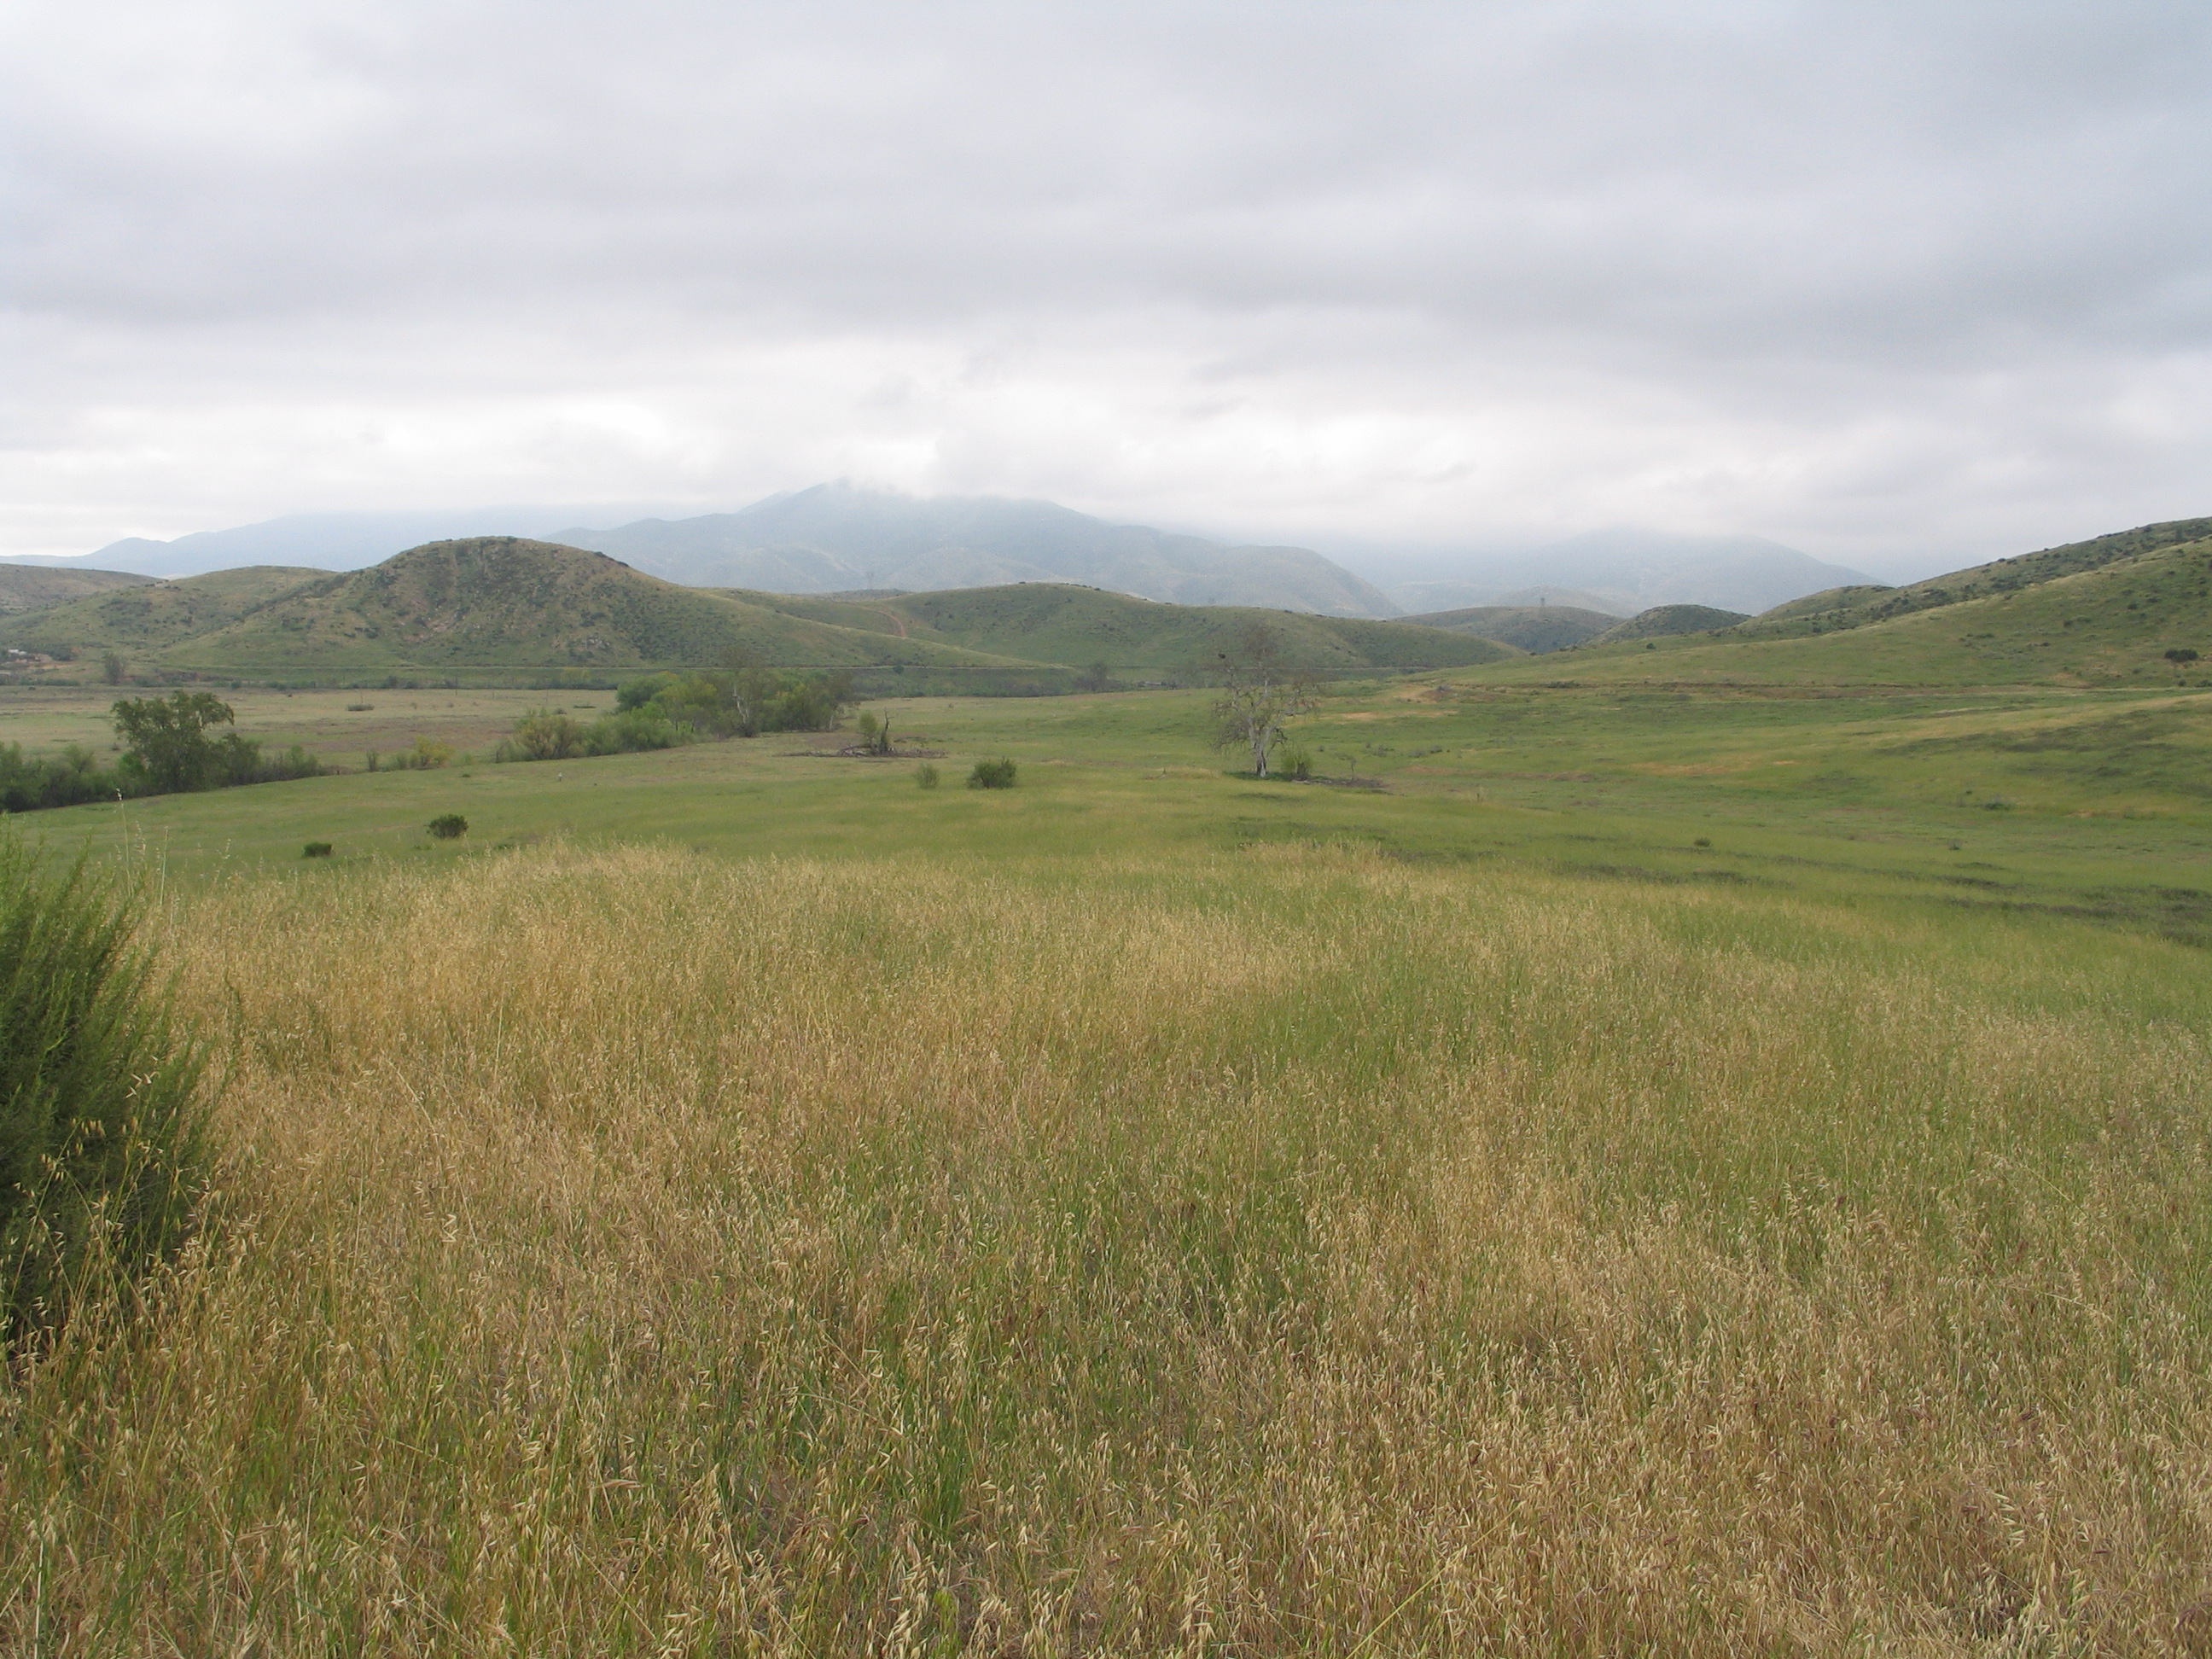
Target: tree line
x=661, y=711
x=170, y=746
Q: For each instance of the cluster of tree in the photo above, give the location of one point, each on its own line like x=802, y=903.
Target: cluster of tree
x=169, y=748
x=741, y=701
x=663, y=710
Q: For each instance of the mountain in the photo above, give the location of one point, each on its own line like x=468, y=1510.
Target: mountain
x=33, y=588
x=836, y=538
x=1628, y=571
x=1436, y=598
x=1535, y=628
x=325, y=541
x=151, y=616
x=1664, y=621
x=1058, y=622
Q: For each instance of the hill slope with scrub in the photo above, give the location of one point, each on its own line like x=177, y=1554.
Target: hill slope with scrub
x=154, y=616
x=34, y=588
x=1060, y=623
x=502, y=601
x=2103, y=613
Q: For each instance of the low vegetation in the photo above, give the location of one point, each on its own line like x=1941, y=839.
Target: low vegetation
x=1298, y=1249
x=101, y=1156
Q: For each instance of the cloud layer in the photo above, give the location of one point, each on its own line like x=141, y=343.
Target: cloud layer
x=1899, y=284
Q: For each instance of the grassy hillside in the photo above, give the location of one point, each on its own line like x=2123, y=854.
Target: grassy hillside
x=504, y=602
x=1535, y=628
x=1825, y=602
x=1058, y=623
x=1671, y=1172
x=2108, y=624
x=35, y=587
x=146, y=619
x=1857, y=607
x=1665, y=620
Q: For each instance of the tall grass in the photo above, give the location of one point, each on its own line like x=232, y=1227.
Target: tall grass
x=1299, y=1253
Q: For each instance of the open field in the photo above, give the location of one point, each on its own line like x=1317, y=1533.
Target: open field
x=333, y=726
x=1716, y=1170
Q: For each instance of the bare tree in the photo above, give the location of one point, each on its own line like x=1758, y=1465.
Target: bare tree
x=1259, y=696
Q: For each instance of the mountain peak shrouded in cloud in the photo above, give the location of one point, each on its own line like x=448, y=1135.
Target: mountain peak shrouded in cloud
x=838, y=537
x=1894, y=282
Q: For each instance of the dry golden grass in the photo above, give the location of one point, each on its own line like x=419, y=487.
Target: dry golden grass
x=627, y=1252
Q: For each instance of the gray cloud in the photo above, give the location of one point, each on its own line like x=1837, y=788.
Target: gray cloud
x=1900, y=284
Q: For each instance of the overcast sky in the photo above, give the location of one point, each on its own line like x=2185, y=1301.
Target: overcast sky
x=1900, y=284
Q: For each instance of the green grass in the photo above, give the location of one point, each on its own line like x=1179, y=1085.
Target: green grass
x=2095, y=804
x=1675, y=1169
x=2107, y=626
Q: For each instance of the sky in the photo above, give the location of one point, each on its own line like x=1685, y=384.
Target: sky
x=1902, y=285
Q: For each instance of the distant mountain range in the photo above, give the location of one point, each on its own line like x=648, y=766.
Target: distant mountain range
x=1629, y=571
x=837, y=538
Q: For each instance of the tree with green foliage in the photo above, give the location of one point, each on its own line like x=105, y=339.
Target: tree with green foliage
x=102, y=1159
x=165, y=740
x=1260, y=694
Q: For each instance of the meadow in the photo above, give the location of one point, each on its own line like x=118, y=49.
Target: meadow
x=1640, y=1171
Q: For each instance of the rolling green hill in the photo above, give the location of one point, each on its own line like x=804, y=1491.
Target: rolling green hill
x=1059, y=623
x=1858, y=607
x=36, y=586
x=1835, y=599
x=2104, y=623
x=149, y=618
x=1665, y=620
x=501, y=601
x=1535, y=628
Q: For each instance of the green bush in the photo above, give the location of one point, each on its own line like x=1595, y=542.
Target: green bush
x=102, y=1157
x=992, y=775
x=449, y=826
x=926, y=775
x=1294, y=762
x=316, y=849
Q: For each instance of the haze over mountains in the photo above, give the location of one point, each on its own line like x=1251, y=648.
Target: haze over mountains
x=1628, y=571
x=839, y=537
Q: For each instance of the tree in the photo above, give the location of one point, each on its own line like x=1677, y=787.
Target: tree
x=1259, y=696
x=167, y=741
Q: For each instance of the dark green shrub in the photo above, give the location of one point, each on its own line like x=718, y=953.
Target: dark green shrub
x=926, y=775
x=449, y=826
x=101, y=1150
x=316, y=849
x=992, y=775
x=2181, y=653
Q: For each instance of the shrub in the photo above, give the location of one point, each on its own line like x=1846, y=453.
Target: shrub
x=316, y=849
x=449, y=826
x=2181, y=653
x=101, y=1153
x=1295, y=763
x=992, y=775
x=926, y=775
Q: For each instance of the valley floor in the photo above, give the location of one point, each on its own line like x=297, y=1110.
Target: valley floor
x=1720, y=1173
